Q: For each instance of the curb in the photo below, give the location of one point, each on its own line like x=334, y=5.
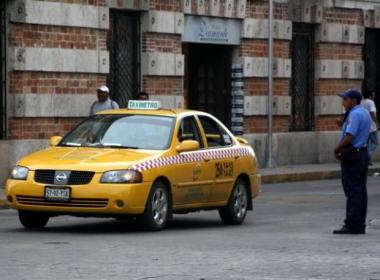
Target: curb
x=3, y=200
x=296, y=177
x=307, y=176
x=3, y=203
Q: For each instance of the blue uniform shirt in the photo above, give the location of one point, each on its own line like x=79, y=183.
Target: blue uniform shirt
x=358, y=124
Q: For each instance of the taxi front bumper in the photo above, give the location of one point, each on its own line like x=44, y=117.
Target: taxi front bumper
x=94, y=198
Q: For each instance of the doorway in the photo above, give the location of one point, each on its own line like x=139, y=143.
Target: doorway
x=371, y=57
x=209, y=79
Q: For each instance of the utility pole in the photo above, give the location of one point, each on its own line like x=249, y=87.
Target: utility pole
x=270, y=84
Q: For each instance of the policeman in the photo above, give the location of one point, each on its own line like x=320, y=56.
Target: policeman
x=353, y=154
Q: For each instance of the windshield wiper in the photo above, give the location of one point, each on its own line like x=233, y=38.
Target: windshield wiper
x=109, y=145
x=117, y=146
x=120, y=147
x=71, y=144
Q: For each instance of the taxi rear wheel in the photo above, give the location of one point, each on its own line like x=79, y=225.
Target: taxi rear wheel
x=33, y=220
x=157, y=208
x=236, y=210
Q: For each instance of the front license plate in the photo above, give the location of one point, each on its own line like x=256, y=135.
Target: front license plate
x=58, y=194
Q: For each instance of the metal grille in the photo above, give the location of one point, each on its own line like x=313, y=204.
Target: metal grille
x=3, y=100
x=76, y=177
x=76, y=202
x=302, y=77
x=124, y=45
x=371, y=57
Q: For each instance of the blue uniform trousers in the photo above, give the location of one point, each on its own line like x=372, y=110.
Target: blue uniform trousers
x=354, y=180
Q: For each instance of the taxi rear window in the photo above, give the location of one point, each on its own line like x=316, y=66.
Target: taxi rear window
x=123, y=131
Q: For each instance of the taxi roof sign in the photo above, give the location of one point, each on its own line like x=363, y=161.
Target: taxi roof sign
x=144, y=105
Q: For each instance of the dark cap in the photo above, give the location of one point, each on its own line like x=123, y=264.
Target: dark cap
x=352, y=94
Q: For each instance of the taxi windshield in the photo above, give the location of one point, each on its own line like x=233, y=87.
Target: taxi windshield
x=122, y=131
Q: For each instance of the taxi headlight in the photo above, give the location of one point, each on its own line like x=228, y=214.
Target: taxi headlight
x=19, y=173
x=121, y=176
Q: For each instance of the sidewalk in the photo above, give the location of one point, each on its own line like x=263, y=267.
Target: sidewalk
x=306, y=172
x=283, y=174
x=3, y=202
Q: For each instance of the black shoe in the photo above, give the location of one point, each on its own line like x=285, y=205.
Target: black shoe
x=346, y=230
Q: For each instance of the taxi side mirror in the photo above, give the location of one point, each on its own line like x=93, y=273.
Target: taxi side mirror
x=187, y=146
x=54, y=140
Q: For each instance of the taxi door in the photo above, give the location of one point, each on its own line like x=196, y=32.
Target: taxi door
x=219, y=143
x=191, y=181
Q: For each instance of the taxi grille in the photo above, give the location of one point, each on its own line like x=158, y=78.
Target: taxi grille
x=77, y=202
x=76, y=177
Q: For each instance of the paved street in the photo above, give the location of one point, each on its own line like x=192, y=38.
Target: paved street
x=288, y=236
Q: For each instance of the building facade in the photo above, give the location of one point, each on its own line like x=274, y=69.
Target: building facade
x=187, y=53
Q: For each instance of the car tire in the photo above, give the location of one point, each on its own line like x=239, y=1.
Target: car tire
x=33, y=220
x=235, y=211
x=157, y=208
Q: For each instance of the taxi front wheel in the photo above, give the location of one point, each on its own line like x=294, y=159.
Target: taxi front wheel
x=32, y=220
x=156, y=209
x=236, y=210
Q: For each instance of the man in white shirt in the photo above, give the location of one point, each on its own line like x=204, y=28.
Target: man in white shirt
x=104, y=101
x=368, y=104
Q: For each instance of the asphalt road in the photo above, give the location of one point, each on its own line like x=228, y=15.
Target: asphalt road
x=288, y=236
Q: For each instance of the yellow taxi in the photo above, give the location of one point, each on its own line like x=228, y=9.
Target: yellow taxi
x=143, y=162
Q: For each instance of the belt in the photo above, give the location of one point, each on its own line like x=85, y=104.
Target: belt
x=361, y=149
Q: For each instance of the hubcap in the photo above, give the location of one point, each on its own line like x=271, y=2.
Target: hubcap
x=159, y=206
x=240, y=201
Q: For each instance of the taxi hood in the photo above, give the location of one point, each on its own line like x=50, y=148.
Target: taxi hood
x=86, y=159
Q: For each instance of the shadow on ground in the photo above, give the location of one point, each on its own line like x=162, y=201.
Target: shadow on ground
x=111, y=226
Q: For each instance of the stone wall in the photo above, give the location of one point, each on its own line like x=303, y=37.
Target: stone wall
x=57, y=58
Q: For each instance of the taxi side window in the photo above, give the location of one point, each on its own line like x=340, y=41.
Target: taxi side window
x=216, y=136
x=188, y=130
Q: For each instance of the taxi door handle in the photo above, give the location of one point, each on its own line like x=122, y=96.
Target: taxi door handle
x=206, y=159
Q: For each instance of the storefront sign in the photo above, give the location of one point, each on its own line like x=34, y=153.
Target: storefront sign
x=209, y=30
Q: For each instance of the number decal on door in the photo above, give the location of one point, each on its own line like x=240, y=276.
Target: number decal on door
x=224, y=169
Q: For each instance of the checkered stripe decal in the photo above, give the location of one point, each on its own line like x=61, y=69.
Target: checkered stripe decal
x=192, y=157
